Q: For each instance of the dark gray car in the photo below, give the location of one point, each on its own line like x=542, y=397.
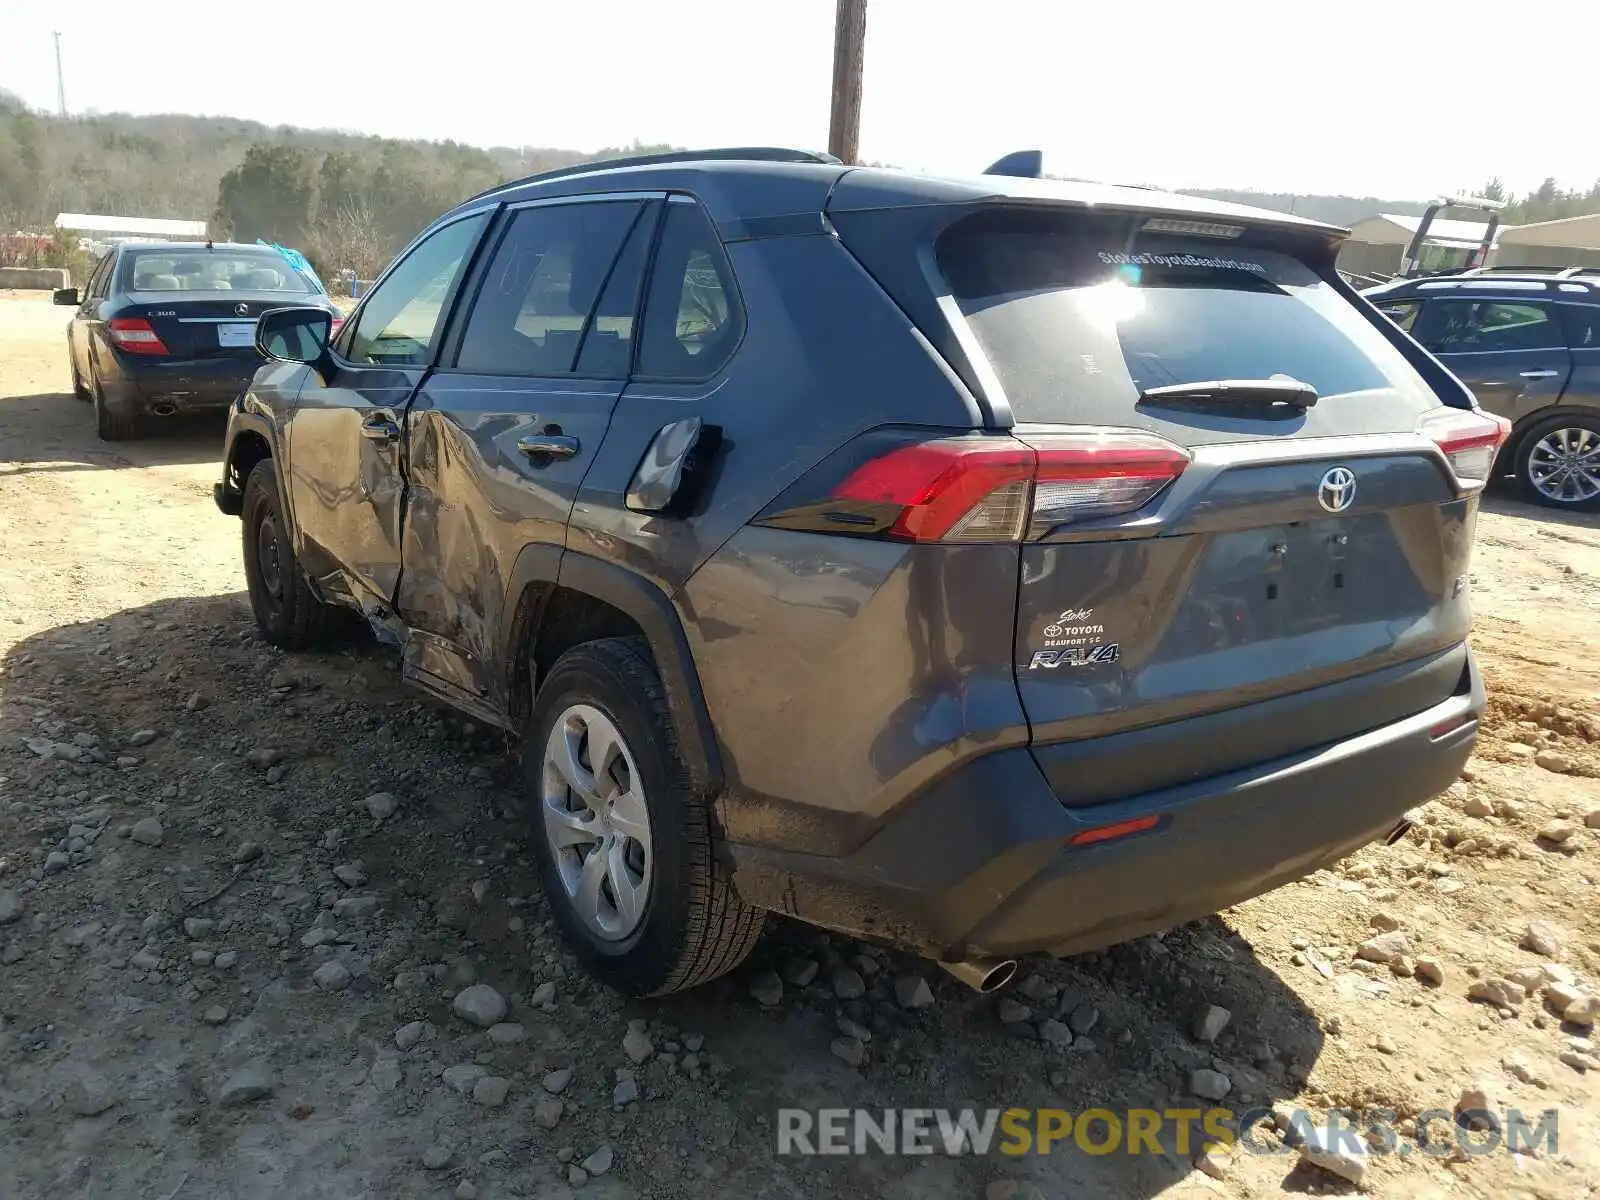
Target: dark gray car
x=1528, y=345
x=987, y=567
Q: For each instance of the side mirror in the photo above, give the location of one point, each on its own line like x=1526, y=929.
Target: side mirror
x=67, y=296
x=296, y=335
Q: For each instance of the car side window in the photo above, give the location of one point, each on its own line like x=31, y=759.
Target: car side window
x=1402, y=312
x=96, y=289
x=542, y=287
x=1484, y=326
x=692, y=319
x=400, y=322
x=1583, y=326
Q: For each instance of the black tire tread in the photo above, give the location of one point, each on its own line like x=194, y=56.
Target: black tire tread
x=110, y=426
x=721, y=929
x=305, y=619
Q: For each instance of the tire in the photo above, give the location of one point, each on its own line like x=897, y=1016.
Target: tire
x=78, y=388
x=1558, y=462
x=287, y=612
x=111, y=427
x=688, y=925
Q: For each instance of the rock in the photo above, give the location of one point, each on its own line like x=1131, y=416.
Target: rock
x=466, y=1191
x=1384, y=948
x=1542, y=938
x=436, y=1158
x=1430, y=970
x=1055, y=1033
x=350, y=875
x=1529, y=979
x=57, y=860
x=10, y=906
x=491, y=1091
x=556, y=1082
x=1403, y=967
x=1478, y=806
x=799, y=972
x=626, y=1092
x=599, y=1162
x=849, y=1050
x=1557, y=833
x=479, y=1005
x=853, y=1029
x=1559, y=995
x=1555, y=761
x=1338, y=1150
x=89, y=1096
x=380, y=805
x=215, y=1015
x=355, y=908
x=1214, y=1162
x=848, y=984
x=1037, y=988
x=1083, y=1019
x=199, y=927
x=147, y=832
x=413, y=1033
x=1209, y=1022
x=767, y=989
x=253, y=1082
x=1518, y=1067
x=1209, y=1084
x=1501, y=993
x=1013, y=1012
x=507, y=1033
x=332, y=976
x=543, y=996
x=1576, y=1061
x=142, y=737
x=692, y=1042
x=1558, y=973
x=547, y=1113
x=463, y=1077
x=636, y=1044
x=1591, y=819
x=913, y=992
x=1384, y=921
x=1385, y=1044
x=577, y=1176
x=1585, y=1011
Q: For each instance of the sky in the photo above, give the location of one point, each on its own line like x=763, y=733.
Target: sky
x=1342, y=96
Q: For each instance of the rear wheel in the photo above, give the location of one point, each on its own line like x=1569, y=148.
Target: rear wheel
x=626, y=846
x=1558, y=462
x=111, y=426
x=78, y=388
x=287, y=612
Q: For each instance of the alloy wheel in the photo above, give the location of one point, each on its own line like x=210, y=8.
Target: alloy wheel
x=1564, y=465
x=596, y=821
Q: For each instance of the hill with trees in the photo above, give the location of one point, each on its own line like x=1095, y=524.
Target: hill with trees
x=350, y=200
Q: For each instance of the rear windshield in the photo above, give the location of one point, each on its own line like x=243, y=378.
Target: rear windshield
x=211, y=271
x=1079, y=315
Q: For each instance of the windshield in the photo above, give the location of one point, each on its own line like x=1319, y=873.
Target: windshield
x=1079, y=315
x=158, y=270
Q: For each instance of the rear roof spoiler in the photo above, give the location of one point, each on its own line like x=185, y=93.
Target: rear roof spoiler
x=1022, y=164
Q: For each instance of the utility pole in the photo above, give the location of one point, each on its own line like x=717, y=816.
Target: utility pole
x=849, y=41
x=61, y=83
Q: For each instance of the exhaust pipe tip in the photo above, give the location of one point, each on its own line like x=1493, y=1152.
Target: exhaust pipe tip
x=164, y=408
x=983, y=975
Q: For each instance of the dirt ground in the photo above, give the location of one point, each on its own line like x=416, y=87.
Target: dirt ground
x=212, y=931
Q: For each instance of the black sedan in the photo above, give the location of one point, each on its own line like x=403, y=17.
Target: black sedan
x=168, y=328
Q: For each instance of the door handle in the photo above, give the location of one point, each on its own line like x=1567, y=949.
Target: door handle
x=1545, y=374
x=548, y=445
x=380, y=427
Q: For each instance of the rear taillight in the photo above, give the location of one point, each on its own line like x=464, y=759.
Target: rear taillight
x=135, y=335
x=1470, y=440
x=993, y=489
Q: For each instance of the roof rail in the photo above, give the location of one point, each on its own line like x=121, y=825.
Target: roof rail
x=718, y=154
x=1569, y=272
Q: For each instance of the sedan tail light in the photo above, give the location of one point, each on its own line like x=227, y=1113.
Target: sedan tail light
x=135, y=335
x=1470, y=440
x=985, y=488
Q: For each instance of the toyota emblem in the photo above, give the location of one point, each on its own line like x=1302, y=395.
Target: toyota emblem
x=1337, y=490
x=242, y=308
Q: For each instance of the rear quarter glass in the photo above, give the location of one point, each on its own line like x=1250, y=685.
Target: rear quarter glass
x=1079, y=314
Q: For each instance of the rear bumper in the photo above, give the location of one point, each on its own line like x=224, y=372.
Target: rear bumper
x=980, y=864
x=175, y=386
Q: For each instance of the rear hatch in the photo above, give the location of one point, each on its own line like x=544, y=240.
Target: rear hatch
x=1215, y=576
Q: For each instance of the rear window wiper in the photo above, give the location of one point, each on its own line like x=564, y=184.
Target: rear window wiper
x=1272, y=393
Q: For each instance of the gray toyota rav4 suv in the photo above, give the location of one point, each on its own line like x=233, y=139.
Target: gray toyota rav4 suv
x=986, y=567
